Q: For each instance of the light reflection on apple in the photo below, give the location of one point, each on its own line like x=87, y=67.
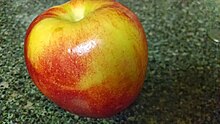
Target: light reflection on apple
x=83, y=48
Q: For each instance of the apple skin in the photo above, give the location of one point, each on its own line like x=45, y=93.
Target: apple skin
x=87, y=56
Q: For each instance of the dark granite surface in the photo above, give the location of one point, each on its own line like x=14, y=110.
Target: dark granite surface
x=182, y=84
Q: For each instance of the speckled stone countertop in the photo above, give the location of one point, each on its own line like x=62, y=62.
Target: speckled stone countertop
x=182, y=84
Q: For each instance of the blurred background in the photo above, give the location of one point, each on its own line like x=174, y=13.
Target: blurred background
x=182, y=83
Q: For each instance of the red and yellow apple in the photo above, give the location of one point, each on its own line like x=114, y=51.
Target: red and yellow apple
x=87, y=56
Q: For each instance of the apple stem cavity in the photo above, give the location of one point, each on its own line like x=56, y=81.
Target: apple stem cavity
x=79, y=9
x=73, y=14
x=78, y=13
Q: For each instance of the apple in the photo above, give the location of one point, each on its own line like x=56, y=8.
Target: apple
x=87, y=56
